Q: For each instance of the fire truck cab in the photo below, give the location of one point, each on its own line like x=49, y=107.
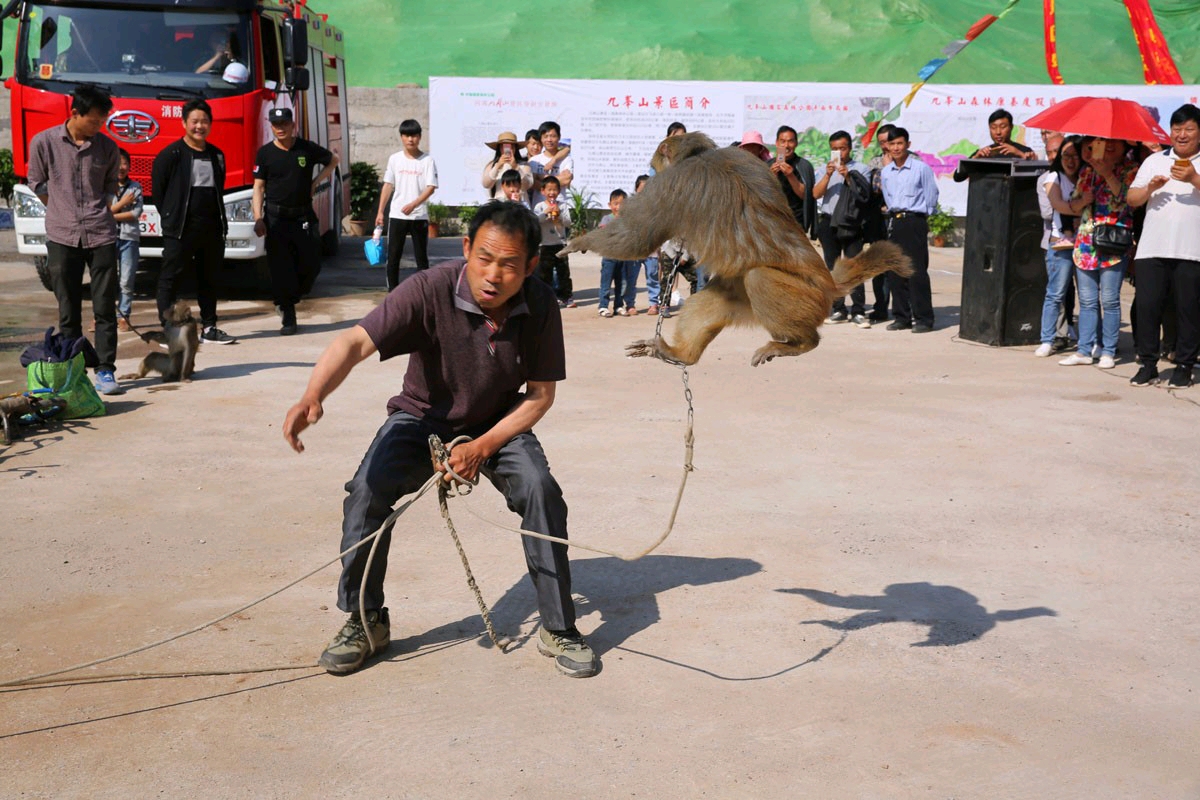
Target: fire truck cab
x=243, y=57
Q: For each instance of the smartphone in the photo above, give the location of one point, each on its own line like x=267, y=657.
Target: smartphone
x=836, y=158
x=508, y=149
x=1098, y=147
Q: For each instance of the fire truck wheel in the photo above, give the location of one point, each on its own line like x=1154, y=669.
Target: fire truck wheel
x=43, y=271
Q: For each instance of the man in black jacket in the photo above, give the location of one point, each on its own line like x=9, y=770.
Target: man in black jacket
x=796, y=178
x=187, y=178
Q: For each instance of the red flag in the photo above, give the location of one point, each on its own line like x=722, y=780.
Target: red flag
x=980, y=27
x=1157, y=64
x=1051, y=42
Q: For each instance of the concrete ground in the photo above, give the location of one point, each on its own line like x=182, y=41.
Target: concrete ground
x=905, y=566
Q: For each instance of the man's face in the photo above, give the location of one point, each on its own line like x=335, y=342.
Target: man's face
x=1053, y=145
x=841, y=146
x=89, y=124
x=533, y=146
x=197, y=125
x=283, y=130
x=897, y=147
x=785, y=144
x=497, y=265
x=123, y=170
x=550, y=141
x=881, y=139
x=1185, y=139
x=411, y=141
x=1000, y=130
x=615, y=203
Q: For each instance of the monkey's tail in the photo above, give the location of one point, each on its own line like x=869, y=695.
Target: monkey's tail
x=878, y=258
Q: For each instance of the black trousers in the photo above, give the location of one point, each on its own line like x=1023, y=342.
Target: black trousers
x=555, y=270
x=1155, y=278
x=398, y=231
x=200, y=248
x=397, y=463
x=834, y=248
x=293, y=257
x=912, y=298
x=66, y=266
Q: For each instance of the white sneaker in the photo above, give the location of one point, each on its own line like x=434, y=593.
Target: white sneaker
x=1107, y=362
x=1095, y=350
x=1075, y=359
x=1044, y=351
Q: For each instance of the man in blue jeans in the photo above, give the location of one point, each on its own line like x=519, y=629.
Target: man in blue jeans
x=476, y=332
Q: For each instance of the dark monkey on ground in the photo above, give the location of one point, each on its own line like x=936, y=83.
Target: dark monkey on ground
x=727, y=209
x=181, y=335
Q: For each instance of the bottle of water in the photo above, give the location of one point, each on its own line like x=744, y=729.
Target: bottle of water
x=378, y=233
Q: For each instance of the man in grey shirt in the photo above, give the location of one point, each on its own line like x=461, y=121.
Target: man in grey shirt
x=73, y=170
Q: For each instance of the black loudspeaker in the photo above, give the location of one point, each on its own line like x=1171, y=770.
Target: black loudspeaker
x=1004, y=266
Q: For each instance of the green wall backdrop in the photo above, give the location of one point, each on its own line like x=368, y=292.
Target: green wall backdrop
x=406, y=41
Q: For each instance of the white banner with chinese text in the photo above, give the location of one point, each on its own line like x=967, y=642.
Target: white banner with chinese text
x=614, y=126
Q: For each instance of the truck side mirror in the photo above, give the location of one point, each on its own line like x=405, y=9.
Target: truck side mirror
x=297, y=79
x=295, y=42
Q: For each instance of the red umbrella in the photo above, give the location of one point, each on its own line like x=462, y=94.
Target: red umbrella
x=1109, y=117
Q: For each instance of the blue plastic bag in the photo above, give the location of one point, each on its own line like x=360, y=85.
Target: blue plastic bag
x=375, y=251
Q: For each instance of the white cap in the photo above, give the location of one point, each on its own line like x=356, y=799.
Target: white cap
x=236, y=73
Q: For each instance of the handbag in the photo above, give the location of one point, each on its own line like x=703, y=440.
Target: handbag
x=68, y=380
x=1109, y=238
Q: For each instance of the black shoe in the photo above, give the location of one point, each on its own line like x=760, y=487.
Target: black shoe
x=899, y=325
x=214, y=335
x=287, y=319
x=878, y=316
x=921, y=327
x=1181, y=378
x=1147, y=375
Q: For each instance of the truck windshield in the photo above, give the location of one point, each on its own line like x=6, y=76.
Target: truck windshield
x=137, y=53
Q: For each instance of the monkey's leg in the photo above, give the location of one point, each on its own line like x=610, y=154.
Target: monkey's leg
x=704, y=315
x=790, y=307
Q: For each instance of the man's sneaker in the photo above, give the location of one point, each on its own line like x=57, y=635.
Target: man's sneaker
x=350, y=648
x=1075, y=360
x=921, y=327
x=106, y=383
x=287, y=320
x=1147, y=375
x=837, y=317
x=570, y=651
x=604, y=312
x=861, y=320
x=1181, y=378
x=622, y=312
x=899, y=325
x=214, y=335
x=1044, y=350
x=1107, y=362
x=878, y=316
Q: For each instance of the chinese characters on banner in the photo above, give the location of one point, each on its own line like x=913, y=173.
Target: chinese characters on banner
x=613, y=127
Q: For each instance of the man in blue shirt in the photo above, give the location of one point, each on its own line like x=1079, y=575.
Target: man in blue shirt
x=911, y=194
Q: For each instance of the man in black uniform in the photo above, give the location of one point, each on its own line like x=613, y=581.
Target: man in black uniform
x=283, y=189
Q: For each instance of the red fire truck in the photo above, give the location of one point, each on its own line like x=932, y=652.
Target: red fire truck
x=243, y=56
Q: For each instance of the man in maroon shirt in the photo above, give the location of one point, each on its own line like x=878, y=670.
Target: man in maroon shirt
x=476, y=331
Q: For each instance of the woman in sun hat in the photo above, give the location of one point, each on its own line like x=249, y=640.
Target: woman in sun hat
x=508, y=156
x=752, y=143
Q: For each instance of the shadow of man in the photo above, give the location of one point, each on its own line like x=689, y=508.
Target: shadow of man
x=952, y=615
x=623, y=593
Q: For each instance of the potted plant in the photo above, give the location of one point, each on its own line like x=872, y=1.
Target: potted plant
x=364, y=198
x=465, y=215
x=583, y=207
x=438, y=213
x=941, y=225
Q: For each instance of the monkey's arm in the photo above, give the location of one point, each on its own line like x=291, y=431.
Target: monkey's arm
x=647, y=220
x=346, y=352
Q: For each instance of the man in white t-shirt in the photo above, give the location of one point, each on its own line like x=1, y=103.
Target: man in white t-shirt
x=564, y=169
x=408, y=182
x=1168, y=251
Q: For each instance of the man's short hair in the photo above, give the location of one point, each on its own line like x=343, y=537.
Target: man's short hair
x=899, y=133
x=196, y=104
x=510, y=176
x=532, y=134
x=786, y=129
x=676, y=126
x=410, y=127
x=615, y=193
x=510, y=217
x=999, y=114
x=885, y=130
x=640, y=180
x=548, y=125
x=551, y=179
x=88, y=98
x=1184, y=114
x=124, y=155
x=836, y=135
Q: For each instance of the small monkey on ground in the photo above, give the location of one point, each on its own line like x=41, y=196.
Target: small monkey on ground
x=726, y=207
x=181, y=335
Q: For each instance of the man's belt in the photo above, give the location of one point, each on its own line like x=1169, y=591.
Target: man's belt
x=903, y=214
x=288, y=212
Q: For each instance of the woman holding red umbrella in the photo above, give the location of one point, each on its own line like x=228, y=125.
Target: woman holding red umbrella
x=1103, y=243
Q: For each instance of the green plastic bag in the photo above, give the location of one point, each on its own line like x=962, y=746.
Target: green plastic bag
x=68, y=380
